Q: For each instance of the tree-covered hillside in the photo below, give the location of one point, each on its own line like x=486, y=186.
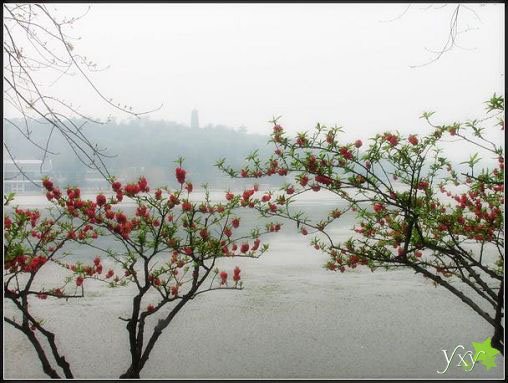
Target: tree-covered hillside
x=142, y=146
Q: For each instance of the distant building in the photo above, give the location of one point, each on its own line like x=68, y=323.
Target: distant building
x=95, y=181
x=23, y=181
x=194, y=119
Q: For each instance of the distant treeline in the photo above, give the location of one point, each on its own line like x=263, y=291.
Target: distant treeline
x=150, y=147
x=143, y=146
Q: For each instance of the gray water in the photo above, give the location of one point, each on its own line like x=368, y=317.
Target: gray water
x=293, y=319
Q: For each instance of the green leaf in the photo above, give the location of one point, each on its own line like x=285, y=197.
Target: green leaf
x=427, y=115
x=473, y=160
x=495, y=103
x=9, y=198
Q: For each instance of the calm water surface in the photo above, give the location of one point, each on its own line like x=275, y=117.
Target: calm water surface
x=293, y=319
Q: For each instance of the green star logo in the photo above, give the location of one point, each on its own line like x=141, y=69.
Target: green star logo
x=484, y=353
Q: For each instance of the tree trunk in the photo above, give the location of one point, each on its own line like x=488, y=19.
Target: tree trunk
x=497, y=340
x=131, y=373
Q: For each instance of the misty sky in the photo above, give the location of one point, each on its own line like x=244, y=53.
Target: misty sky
x=240, y=64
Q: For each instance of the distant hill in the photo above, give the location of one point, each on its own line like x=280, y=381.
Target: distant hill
x=149, y=147
x=146, y=147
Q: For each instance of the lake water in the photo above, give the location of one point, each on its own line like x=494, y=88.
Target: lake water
x=293, y=319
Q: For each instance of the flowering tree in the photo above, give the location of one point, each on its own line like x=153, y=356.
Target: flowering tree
x=195, y=235
x=169, y=248
x=32, y=243
x=414, y=207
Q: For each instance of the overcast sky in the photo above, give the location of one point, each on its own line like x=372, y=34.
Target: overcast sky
x=240, y=64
